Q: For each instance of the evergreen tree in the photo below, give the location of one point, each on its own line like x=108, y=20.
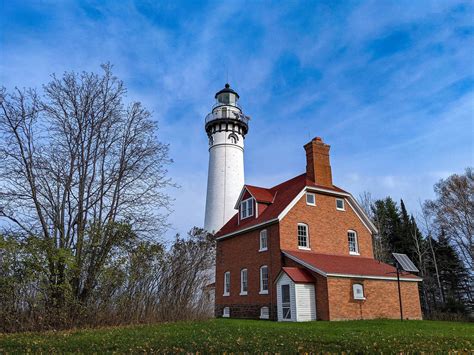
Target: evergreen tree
x=452, y=274
x=386, y=220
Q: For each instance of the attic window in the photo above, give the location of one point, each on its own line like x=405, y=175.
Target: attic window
x=310, y=199
x=246, y=208
x=340, y=204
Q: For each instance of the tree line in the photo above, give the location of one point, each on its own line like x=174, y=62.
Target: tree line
x=438, y=239
x=83, y=208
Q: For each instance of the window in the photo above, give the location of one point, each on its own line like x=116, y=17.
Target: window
x=233, y=138
x=310, y=199
x=263, y=240
x=264, y=279
x=286, y=301
x=211, y=140
x=264, y=313
x=340, y=204
x=358, y=290
x=226, y=312
x=227, y=283
x=246, y=208
x=303, y=240
x=352, y=239
x=243, y=282
x=224, y=112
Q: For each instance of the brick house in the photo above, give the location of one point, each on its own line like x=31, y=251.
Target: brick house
x=302, y=250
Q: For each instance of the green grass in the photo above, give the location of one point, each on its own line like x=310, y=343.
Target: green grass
x=228, y=335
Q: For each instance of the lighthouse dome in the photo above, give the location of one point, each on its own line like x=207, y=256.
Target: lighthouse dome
x=227, y=96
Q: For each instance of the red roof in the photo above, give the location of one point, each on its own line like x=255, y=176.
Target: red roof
x=346, y=265
x=278, y=198
x=260, y=194
x=298, y=275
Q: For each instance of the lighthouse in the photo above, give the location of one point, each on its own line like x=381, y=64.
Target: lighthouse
x=226, y=127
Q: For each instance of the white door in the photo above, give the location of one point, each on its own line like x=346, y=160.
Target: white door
x=286, y=301
x=305, y=302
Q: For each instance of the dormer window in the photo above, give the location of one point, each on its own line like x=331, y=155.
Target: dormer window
x=246, y=208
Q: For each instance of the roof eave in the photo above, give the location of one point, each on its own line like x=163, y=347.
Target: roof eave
x=249, y=228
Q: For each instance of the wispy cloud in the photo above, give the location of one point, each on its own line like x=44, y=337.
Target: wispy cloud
x=389, y=84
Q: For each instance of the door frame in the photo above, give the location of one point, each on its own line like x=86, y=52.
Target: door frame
x=286, y=303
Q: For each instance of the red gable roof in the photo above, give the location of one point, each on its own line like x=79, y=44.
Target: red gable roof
x=298, y=275
x=260, y=194
x=346, y=265
x=278, y=197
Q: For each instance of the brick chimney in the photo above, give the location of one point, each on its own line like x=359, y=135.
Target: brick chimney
x=318, y=168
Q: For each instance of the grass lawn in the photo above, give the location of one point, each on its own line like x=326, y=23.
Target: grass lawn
x=220, y=335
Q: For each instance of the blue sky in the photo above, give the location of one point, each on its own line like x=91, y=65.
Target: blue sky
x=388, y=84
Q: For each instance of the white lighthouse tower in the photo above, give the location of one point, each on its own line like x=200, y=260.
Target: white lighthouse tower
x=226, y=127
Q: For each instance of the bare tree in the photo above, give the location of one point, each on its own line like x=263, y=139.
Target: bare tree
x=424, y=217
x=453, y=211
x=82, y=171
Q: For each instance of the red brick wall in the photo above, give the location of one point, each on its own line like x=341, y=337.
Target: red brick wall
x=381, y=299
x=239, y=252
x=318, y=167
x=327, y=227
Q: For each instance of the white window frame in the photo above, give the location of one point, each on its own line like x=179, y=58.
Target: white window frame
x=262, y=290
x=307, y=246
x=356, y=242
x=245, y=211
x=263, y=236
x=343, y=204
x=226, y=283
x=244, y=281
x=226, y=312
x=314, y=199
x=264, y=312
x=355, y=287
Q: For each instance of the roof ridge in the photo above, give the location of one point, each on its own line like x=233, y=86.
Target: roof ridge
x=287, y=181
x=258, y=187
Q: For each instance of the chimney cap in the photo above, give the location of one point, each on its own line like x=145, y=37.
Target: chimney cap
x=317, y=140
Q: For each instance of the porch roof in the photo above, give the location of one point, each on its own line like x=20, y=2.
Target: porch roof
x=347, y=266
x=298, y=275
